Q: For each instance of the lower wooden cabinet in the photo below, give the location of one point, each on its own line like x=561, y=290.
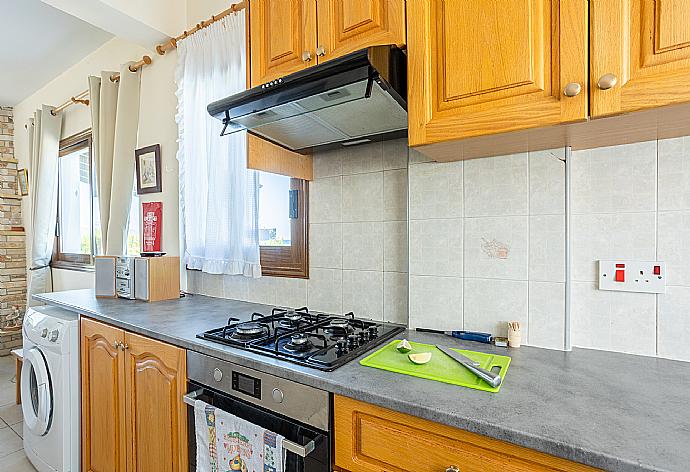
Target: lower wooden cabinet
x=370, y=438
x=133, y=416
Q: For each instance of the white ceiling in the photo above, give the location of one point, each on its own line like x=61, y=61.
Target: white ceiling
x=38, y=42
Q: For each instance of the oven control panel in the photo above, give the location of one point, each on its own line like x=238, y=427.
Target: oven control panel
x=246, y=384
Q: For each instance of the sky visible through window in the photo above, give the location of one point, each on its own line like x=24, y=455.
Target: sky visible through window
x=274, y=203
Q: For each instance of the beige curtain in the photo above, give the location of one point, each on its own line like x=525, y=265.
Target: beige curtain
x=115, y=121
x=44, y=144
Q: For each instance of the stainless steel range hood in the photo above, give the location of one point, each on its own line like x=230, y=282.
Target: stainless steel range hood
x=350, y=100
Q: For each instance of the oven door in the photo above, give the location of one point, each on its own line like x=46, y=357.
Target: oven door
x=307, y=448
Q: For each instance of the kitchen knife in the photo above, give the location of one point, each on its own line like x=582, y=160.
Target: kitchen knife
x=485, y=338
x=489, y=377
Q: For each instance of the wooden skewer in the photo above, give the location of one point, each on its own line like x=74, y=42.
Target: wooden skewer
x=172, y=43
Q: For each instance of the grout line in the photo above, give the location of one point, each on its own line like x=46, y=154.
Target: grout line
x=464, y=229
x=529, y=235
x=656, y=252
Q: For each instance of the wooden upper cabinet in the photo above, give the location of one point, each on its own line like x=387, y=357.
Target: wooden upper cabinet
x=348, y=25
x=646, y=46
x=480, y=67
x=156, y=415
x=280, y=33
x=103, y=398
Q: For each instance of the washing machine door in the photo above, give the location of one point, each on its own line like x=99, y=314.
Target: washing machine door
x=37, y=392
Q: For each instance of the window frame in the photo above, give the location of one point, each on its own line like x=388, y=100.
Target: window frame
x=291, y=261
x=71, y=261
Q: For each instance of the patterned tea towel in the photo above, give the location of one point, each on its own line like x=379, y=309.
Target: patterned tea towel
x=205, y=431
x=231, y=444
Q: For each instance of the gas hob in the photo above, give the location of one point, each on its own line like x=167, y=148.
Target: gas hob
x=319, y=340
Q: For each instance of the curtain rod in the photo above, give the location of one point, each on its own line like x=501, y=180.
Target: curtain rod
x=81, y=98
x=172, y=44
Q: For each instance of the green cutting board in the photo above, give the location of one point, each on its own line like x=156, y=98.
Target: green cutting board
x=440, y=368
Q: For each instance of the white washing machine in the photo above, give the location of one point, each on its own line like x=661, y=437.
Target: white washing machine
x=50, y=389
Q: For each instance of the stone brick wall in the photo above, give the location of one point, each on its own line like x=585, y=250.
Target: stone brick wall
x=13, y=276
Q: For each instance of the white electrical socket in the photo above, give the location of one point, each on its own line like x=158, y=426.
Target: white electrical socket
x=632, y=276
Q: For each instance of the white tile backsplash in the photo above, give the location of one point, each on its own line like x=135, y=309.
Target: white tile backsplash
x=395, y=297
x=363, y=293
x=328, y=164
x=290, y=292
x=674, y=323
x=610, y=236
x=496, y=247
x=497, y=186
x=325, y=290
x=674, y=174
x=363, y=246
x=395, y=154
x=395, y=195
x=614, y=179
x=326, y=245
x=363, y=197
x=325, y=200
x=490, y=304
x=547, y=248
x=362, y=159
x=674, y=246
x=435, y=190
x=546, y=320
x=395, y=249
x=617, y=321
x=436, y=247
x=436, y=302
x=547, y=182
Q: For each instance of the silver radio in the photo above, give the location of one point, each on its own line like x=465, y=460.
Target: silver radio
x=124, y=277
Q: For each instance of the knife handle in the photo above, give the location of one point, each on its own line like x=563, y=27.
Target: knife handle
x=473, y=336
x=487, y=376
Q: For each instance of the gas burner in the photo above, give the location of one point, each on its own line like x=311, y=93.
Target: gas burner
x=293, y=316
x=298, y=342
x=249, y=330
x=338, y=323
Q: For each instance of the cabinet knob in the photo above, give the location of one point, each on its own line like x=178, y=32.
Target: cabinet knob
x=453, y=468
x=116, y=345
x=124, y=346
x=573, y=89
x=321, y=51
x=306, y=56
x=607, y=81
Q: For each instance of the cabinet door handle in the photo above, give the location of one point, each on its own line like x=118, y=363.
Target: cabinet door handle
x=306, y=56
x=573, y=89
x=116, y=345
x=321, y=51
x=124, y=346
x=453, y=468
x=607, y=81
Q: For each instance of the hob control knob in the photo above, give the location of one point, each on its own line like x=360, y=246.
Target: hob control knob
x=373, y=331
x=44, y=333
x=278, y=395
x=54, y=335
x=352, y=341
x=217, y=374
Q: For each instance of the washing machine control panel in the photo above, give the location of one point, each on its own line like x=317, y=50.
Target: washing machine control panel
x=43, y=329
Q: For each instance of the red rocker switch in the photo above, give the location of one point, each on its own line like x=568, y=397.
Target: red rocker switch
x=620, y=275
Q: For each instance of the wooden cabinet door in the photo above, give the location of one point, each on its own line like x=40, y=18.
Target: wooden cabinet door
x=102, y=398
x=281, y=32
x=373, y=439
x=155, y=379
x=482, y=67
x=348, y=25
x=646, y=46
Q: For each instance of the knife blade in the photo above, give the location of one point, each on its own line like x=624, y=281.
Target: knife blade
x=487, y=376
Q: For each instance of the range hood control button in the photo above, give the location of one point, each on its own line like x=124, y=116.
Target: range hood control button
x=217, y=374
x=278, y=395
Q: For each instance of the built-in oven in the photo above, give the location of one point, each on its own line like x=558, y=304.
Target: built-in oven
x=298, y=412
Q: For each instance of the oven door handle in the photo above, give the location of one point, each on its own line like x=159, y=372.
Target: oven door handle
x=302, y=451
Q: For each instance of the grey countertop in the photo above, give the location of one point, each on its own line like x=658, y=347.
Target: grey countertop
x=614, y=411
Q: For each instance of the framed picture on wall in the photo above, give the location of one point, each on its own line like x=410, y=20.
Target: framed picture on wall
x=149, y=174
x=22, y=182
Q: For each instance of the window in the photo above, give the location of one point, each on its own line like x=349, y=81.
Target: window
x=75, y=242
x=78, y=229
x=283, y=225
